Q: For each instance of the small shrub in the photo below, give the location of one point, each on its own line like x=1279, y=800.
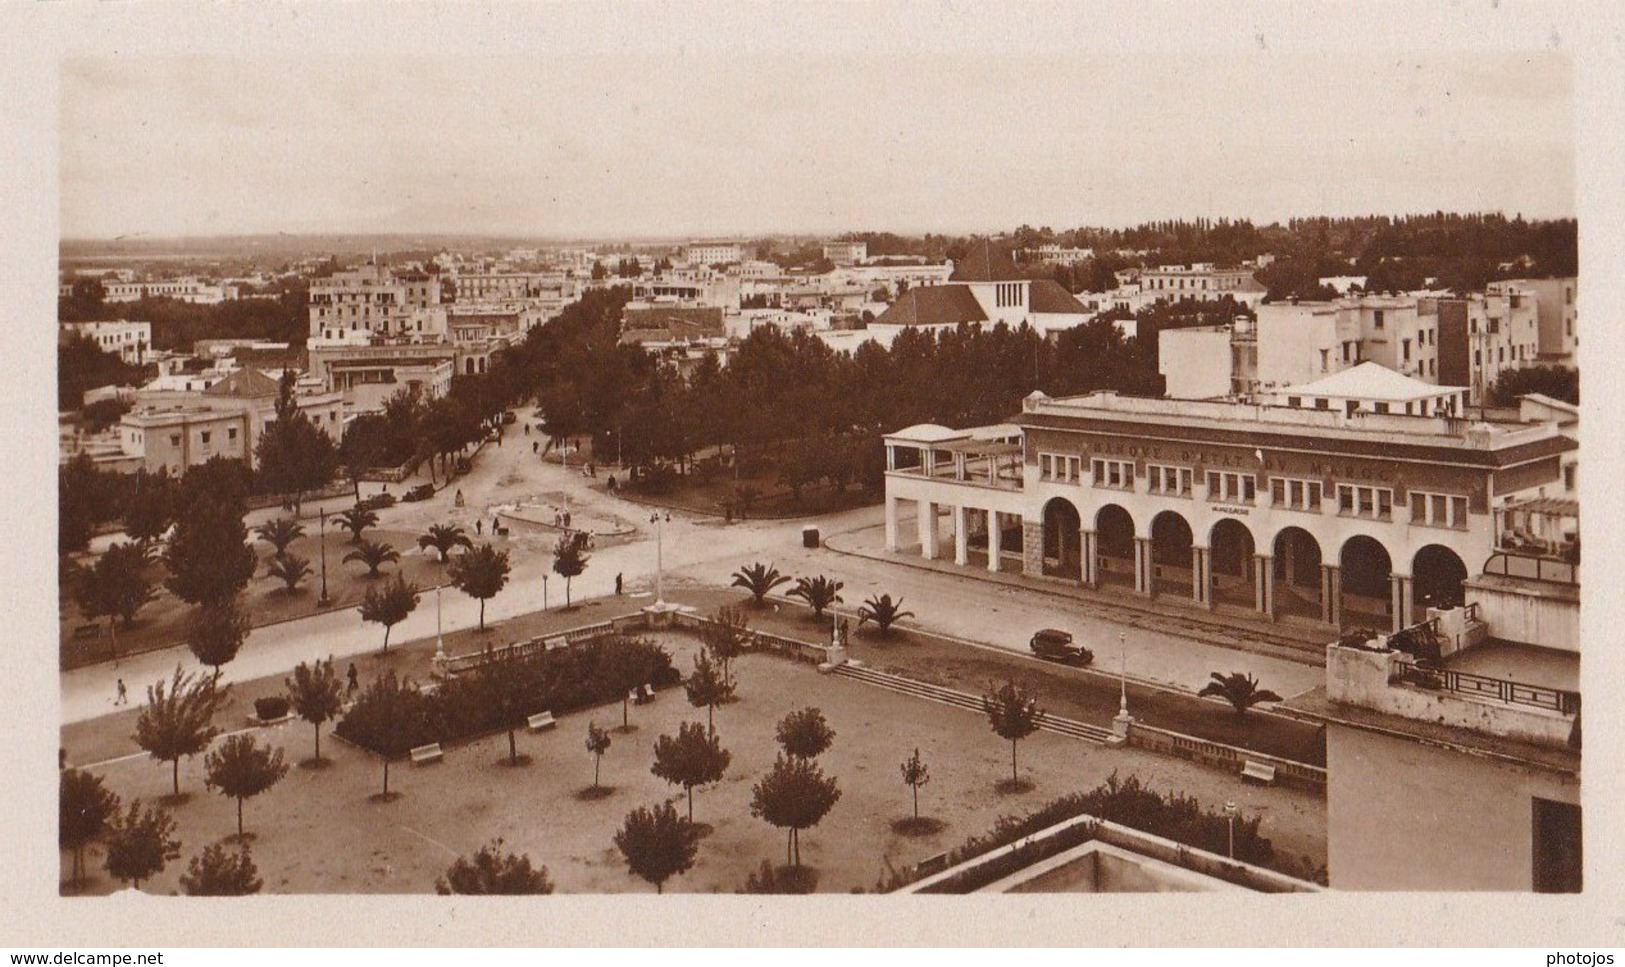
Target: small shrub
x=271, y=707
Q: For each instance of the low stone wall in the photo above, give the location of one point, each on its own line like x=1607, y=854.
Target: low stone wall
x=1288, y=772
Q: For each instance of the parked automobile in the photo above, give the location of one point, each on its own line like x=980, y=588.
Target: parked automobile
x=1052, y=644
x=509, y=416
x=420, y=492
x=378, y=501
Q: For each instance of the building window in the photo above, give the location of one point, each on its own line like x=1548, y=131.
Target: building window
x=1295, y=401
x=1372, y=503
x=1053, y=466
x=1323, y=404
x=231, y=434
x=1232, y=488
x=174, y=439
x=1381, y=407
x=1556, y=846
x=1292, y=494
x=1169, y=481
x=1113, y=473
x=1438, y=510
x=1568, y=476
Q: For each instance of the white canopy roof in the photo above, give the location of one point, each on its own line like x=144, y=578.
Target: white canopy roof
x=1371, y=381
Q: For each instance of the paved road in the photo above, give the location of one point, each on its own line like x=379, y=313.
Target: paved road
x=695, y=551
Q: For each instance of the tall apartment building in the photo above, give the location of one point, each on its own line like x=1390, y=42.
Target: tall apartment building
x=1483, y=336
x=1556, y=314
x=353, y=306
x=1299, y=342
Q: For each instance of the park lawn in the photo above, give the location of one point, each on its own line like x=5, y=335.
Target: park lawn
x=160, y=623
x=318, y=831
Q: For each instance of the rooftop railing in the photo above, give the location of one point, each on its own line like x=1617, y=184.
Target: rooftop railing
x=1423, y=675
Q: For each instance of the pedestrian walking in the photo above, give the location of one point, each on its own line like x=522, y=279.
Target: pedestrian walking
x=123, y=694
x=354, y=679
x=478, y=523
x=535, y=446
x=617, y=584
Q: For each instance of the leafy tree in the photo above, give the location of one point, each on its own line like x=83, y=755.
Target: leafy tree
x=759, y=579
x=624, y=665
x=694, y=757
x=389, y=604
x=178, y=720
x=140, y=843
x=150, y=508
x=570, y=559
x=374, y=554
x=1014, y=715
x=597, y=744
x=443, y=538
x=215, y=632
x=209, y=558
x=83, y=365
x=491, y=872
x=708, y=686
x=725, y=636
x=315, y=692
x=85, y=807
x=215, y=872
x=915, y=775
x=819, y=592
x=883, y=611
x=293, y=454
x=480, y=573
x=795, y=795
x=1239, y=689
x=279, y=533
x=804, y=734
x=396, y=717
x=225, y=480
x=241, y=769
x=1554, y=381
x=115, y=586
x=508, y=687
x=356, y=520
x=657, y=843
x=290, y=569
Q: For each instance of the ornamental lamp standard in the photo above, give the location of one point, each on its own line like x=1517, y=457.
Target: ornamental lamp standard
x=660, y=519
x=1230, y=810
x=544, y=592
x=439, y=638
x=324, y=601
x=1122, y=673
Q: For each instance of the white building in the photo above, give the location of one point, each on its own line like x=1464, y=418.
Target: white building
x=1557, y=315
x=712, y=253
x=351, y=306
x=1056, y=255
x=986, y=288
x=184, y=290
x=130, y=341
x=1200, y=280
x=846, y=253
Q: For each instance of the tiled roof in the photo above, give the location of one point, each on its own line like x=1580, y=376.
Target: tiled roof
x=985, y=262
x=1048, y=295
x=244, y=384
x=933, y=305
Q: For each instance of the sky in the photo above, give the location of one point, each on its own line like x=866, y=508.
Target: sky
x=683, y=142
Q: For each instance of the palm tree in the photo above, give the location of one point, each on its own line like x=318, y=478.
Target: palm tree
x=819, y=592
x=374, y=554
x=758, y=579
x=357, y=519
x=279, y=533
x=1239, y=689
x=290, y=569
x=443, y=538
x=883, y=611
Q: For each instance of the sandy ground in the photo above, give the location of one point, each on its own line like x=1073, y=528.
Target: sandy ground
x=318, y=831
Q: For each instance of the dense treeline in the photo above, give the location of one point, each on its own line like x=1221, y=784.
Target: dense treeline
x=82, y=365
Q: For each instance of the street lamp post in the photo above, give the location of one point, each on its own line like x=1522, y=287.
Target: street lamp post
x=659, y=519
x=323, y=601
x=544, y=592
x=1122, y=673
x=439, y=637
x=1230, y=811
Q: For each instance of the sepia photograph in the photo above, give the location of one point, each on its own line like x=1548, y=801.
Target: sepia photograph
x=792, y=455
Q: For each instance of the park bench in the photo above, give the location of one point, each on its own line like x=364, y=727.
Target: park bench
x=1258, y=772
x=541, y=721
x=648, y=693
x=557, y=641
x=88, y=631
x=635, y=697
x=425, y=754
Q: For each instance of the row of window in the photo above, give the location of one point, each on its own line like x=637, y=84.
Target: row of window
x=1053, y=466
x=1008, y=294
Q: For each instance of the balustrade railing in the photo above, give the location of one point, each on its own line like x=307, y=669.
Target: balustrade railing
x=1467, y=683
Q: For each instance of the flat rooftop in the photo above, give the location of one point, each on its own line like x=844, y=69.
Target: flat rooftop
x=1518, y=662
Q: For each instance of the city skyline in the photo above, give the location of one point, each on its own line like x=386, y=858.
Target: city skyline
x=608, y=146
